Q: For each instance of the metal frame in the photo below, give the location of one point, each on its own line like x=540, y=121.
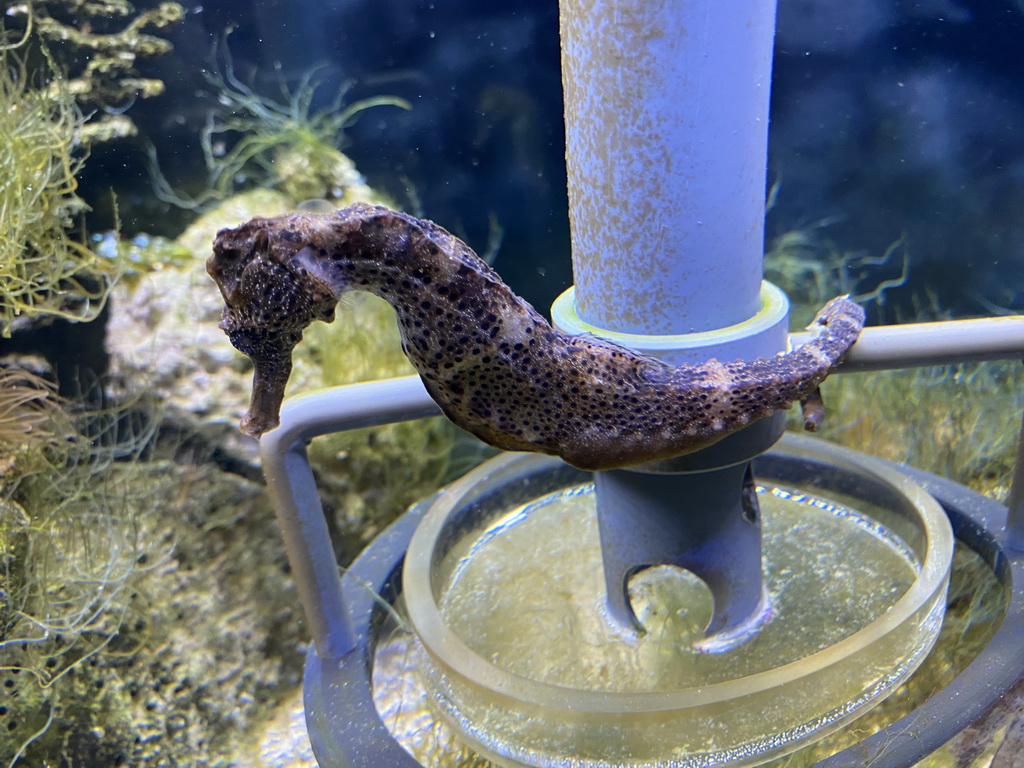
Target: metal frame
x=293, y=492
x=347, y=732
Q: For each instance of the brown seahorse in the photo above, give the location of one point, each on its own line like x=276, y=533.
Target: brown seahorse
x=490, y=361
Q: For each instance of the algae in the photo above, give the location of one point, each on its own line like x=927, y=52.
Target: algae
x=810, y=268
x=146, y=613
x=70, y=545
x=184, y=665
x=959, y=421
x=100, y=44
x=45, y=268
x=274, y=143
x=48, y=119
x=29, y=419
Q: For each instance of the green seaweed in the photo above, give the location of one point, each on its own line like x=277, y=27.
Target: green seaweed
x=960, y=422
x=274, y=143
x=950, y=420
x=70, y=546
x=44, y=268
x=29, y=423
x=812, y=269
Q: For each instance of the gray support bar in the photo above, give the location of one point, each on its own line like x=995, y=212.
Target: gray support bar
x=293, y=490
x=944, y=343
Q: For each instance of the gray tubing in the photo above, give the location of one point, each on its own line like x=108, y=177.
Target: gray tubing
x=944, y=343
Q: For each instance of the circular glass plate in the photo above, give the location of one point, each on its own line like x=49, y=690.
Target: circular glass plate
x=513, y=650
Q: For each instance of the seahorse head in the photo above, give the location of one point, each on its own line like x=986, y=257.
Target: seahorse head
x=271, y=293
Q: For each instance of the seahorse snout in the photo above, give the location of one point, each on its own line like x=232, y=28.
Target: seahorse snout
x=271, y=356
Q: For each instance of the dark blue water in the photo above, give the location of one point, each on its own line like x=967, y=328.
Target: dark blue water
x=889, y=120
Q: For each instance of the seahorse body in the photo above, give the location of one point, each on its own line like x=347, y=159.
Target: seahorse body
x=490, y=361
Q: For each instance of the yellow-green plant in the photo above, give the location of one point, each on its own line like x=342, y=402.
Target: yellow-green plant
x=950, y=420
x=959, y=422
x=29, y=424
x=71, y=542
x=45, y=269
x=811, y=269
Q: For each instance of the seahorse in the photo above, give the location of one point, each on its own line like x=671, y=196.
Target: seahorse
x=492, y=363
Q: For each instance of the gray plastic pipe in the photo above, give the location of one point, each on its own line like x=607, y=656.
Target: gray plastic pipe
x=666, y=110
x=666, y=116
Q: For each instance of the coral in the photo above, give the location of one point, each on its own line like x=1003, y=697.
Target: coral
x=44, y=269
x=277, y=144
x=100, y=43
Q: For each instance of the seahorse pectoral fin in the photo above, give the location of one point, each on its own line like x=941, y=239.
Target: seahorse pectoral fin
x=322, y=283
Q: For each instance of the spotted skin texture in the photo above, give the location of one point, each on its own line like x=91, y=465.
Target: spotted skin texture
x=490, y=361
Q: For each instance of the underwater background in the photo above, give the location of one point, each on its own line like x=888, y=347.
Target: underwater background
x=146, y=616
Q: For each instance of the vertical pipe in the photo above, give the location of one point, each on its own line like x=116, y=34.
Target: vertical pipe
x=666, y=130
x=666, y=112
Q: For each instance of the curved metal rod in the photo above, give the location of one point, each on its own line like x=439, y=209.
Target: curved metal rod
x=294, y=496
